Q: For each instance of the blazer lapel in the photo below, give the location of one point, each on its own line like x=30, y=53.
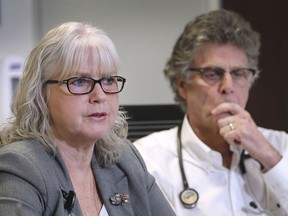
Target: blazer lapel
x=112, y=182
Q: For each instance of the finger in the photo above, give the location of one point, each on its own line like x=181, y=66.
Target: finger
x=231, y=126
x=230, y=134
x=226, y=121
x=231, y=108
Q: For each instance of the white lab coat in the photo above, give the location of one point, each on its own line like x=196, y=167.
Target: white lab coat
x=222, y=191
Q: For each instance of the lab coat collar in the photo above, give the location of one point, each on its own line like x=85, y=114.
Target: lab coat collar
x=200, y=153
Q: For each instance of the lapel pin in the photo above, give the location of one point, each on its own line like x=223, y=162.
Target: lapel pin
x=119, y=199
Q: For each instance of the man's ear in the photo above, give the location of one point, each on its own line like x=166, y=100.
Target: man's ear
x=182, y=88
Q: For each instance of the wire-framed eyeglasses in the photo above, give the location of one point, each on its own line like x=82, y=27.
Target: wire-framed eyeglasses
x=85, y=85
x=213, y=75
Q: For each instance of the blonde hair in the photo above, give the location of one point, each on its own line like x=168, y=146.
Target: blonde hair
x=61, y=52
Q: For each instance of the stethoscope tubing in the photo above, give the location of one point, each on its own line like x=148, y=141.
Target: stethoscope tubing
x=189, y=196
x=186, y=187
x=179, y=150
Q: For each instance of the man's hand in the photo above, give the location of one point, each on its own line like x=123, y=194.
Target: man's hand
x=240, y=129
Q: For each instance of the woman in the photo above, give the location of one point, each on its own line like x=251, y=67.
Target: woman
x=65, y=151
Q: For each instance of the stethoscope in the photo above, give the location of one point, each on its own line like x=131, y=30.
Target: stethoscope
x=189, y=196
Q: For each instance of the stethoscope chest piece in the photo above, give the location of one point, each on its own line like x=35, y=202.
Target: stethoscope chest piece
x=189, y=198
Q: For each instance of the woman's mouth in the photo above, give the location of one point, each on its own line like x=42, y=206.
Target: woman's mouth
x=98, y=115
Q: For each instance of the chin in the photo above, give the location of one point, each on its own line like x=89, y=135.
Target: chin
x=99, y=134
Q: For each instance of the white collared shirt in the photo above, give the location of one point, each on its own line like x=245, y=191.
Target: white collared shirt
x=222, y=191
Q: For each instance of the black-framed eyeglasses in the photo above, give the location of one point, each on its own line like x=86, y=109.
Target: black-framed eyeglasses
x=85, y=85
x=213, y=75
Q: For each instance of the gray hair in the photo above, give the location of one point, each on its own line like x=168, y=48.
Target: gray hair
x=220, y=27
x=61, y=52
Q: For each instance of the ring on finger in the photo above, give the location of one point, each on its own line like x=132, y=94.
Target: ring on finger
x=231, y=126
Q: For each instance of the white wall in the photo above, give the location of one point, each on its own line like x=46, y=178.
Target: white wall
x=17, y=37
x=17, y=27
x=144, y=32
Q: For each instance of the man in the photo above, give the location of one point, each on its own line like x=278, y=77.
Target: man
x=218, y=161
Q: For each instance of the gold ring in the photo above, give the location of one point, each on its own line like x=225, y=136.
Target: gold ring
x=231, y=126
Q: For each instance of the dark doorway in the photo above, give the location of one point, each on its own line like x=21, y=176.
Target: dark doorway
x=268, y=103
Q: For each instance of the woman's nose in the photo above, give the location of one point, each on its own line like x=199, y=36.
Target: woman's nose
x=97, y=95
